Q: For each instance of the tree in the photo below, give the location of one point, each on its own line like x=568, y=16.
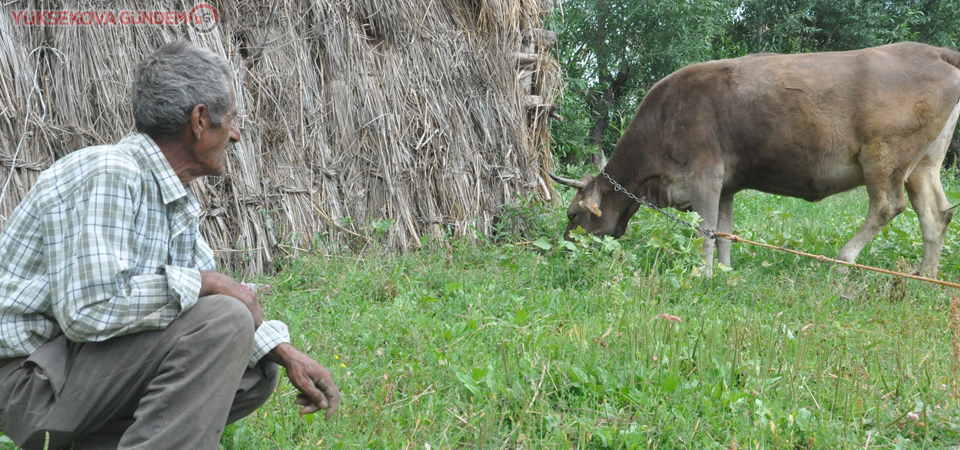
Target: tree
x=614, y=50
x=793, y=26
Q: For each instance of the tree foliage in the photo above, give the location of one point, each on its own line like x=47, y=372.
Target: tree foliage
x=613, y=51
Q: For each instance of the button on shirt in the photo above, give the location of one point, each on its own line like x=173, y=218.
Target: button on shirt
x=107, y=243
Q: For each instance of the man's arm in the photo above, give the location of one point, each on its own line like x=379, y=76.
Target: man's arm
x=269, y=334
x=315, y=382
x=101, y=296
x=98, y=293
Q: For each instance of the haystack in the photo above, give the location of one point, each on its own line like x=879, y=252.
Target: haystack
x=370, y=122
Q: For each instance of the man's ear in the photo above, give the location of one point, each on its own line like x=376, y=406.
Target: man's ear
x=198, y=120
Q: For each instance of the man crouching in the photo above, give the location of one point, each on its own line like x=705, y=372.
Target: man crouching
x=115, y=329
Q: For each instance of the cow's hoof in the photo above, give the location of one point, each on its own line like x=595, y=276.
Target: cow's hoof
x=841, y=270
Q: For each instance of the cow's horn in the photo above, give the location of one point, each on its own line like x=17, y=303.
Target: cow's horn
x=568, y=182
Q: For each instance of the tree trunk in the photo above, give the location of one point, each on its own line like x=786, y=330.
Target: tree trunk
x=603, y=102
x=609, y=90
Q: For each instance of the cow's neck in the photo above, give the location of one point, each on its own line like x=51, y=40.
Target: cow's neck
x=625, y=173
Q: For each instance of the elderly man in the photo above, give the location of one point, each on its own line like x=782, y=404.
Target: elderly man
x=115, y=331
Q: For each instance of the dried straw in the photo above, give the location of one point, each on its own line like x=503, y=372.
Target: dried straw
x=431, y=113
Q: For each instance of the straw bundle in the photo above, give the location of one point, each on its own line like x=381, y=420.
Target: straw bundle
x=432, y=114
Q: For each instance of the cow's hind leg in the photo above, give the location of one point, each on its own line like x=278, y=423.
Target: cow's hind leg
x=885, y=188
x=929, y=201
x=933, y=211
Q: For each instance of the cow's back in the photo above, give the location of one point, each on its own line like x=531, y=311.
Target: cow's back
x=794, y=124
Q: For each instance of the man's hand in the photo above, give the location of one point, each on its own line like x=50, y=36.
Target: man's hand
x=315, y=383
x=212, y=283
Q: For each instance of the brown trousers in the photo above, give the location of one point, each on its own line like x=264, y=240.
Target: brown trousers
x=175, y=388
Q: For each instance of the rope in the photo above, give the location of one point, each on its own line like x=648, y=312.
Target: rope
x=734, y=238
x=821, y=258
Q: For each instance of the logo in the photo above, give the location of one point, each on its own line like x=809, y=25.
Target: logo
x=203, y=18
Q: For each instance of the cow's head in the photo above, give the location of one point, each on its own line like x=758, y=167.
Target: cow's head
x=597, y=207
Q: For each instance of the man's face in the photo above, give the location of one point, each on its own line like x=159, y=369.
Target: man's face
x=209, y=154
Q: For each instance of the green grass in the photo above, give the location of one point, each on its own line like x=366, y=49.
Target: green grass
x=528, y=342
x=532, y=343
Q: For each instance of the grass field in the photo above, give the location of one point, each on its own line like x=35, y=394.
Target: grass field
x=525, y=342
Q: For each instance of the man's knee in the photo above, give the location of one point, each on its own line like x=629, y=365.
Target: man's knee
x=228, y=312
x=226, y=306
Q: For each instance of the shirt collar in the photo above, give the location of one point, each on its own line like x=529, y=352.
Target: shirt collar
x=153, y=160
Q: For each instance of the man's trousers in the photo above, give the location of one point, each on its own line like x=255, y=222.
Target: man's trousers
x=175, y=388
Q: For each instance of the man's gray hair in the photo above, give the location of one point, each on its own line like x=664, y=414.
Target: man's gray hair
x=172, y=81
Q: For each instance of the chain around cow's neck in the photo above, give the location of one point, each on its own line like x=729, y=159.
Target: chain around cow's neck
x=617, y=187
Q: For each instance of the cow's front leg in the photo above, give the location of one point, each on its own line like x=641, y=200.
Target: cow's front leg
x=707, y=205
x=725, y=225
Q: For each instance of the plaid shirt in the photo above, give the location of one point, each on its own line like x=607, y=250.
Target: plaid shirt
x=106, y=244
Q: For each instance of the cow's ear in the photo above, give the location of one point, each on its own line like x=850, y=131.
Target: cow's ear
x=591, y=202
x=603, y=160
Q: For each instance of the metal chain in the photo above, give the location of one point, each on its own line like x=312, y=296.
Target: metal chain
x=617, y=187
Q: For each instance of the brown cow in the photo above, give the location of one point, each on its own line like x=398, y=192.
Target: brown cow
x=806, y=125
